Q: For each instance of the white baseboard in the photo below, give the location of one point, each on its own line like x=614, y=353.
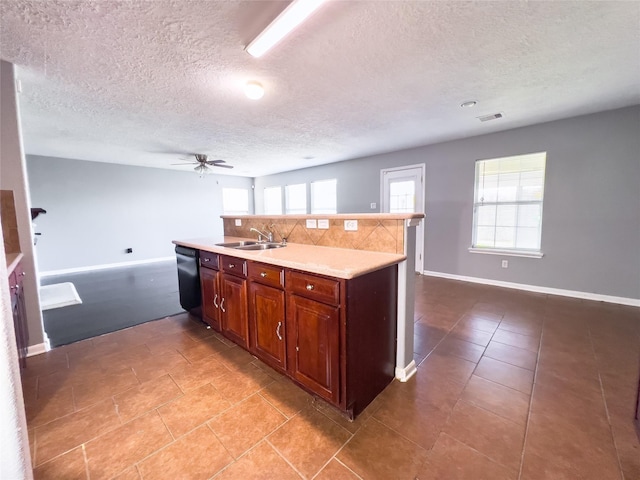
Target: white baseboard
x=91, y=268
x=405, y=373
x=633, y=302
x=38, y=349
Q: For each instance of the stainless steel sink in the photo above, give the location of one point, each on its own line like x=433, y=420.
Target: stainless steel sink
x=237, y=244
x=260, y=246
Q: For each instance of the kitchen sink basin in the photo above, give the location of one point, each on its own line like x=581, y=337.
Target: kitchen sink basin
x=237, y=244
x=260, y=246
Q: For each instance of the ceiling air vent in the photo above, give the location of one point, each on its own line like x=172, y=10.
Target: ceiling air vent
x=486, y=118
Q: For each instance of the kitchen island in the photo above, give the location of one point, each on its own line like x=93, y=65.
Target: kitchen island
x=323, y=316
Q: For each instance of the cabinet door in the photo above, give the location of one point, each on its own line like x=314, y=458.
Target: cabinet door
x=210, y=297
x=313, y=343
x=233, y=307
x=267, y=329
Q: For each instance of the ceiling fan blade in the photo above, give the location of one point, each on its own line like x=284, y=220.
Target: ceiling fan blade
x=214, y=162
x=223, y=166
x=190, y=163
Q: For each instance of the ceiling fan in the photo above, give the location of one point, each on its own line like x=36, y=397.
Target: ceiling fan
x=202, y=162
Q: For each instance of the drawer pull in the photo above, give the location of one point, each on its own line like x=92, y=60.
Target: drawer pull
x=222, y=306
x=278, y=331
x=309, y=287
x=232, y=265
x=215, y=300
x=23, y=274
x=206, y=259
x=263, y=274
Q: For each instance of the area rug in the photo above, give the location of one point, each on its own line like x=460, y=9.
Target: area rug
x=58, y=295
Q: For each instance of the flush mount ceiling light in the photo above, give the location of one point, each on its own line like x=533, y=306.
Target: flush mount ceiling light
x=469, y=104
x=290, y=18
x=253, y=90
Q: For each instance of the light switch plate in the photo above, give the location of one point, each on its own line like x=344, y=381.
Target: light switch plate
x=238, y=222
x=351, y=225
x=311, y=223
x=324, y=224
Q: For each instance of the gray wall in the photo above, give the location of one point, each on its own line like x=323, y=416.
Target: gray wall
x=97, y=210
x=591, y=219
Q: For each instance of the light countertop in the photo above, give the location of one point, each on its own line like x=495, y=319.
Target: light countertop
x=335, y=262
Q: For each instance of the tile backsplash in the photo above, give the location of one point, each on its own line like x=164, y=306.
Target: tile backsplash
x=378, y=235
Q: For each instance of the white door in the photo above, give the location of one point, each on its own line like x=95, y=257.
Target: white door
x=402, y=191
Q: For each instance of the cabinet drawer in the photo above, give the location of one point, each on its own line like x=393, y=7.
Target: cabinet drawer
x=209, y=260
x=233, y=265
x=267, y=274
x=318, y=288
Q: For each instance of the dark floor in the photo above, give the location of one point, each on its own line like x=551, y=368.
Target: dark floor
x=510, y=386
x=113, y=299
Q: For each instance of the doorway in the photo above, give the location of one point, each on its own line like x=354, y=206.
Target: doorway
x=402, y=191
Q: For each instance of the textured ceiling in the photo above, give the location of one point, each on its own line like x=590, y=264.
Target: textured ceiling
x=140, y=82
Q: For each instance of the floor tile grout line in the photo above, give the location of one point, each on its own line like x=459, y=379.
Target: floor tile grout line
x=284, y=458
x=604, y=401
x=533, y=389
x=86, y=462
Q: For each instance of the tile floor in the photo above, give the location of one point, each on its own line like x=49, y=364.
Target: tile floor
x=510, y=385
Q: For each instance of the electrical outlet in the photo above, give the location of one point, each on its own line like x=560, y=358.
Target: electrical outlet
x=505, y=263
x=373, y=205
x=323, y=224
x=238, y=222
x=311, y=223
x=129, y=250
x=351, y=225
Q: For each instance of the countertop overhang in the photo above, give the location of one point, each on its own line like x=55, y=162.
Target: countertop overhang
x=335, y=262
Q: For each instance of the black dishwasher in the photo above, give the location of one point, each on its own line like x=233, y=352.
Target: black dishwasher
x=189, y=277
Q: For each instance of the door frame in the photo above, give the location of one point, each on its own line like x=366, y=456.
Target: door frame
x=420, y=206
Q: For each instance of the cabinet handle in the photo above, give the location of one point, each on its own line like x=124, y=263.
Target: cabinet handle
x=263, y=274
x=309, y=287
x=278, y=330
x=23, y=274
x=222, y=306
x=206, y=260
x=215, y=300
x=232, y=265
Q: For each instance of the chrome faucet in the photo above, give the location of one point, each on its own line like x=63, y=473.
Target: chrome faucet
x=261, y=235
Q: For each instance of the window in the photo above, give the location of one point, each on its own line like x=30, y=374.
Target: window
x=507, y=208
x=402, y=196
x=323, y=196
x=273, y=201
x=235, y=201
x=296, y=199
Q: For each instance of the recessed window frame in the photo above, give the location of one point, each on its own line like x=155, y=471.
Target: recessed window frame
x=277, y=197
x=227, y=200
x=507, y=200
x=292, y=194
x=315, y=186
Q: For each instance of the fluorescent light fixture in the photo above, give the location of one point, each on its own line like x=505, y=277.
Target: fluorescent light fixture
x=290, y=18
x=253, y=90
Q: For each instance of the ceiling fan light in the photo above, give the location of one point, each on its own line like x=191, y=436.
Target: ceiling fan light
x=202, y=170
x=290, y=18
x=254, y=90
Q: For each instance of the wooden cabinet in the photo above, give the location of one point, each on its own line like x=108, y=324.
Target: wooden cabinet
x=313, y=316
x=233, y=304
x=210, y=287
x=314, y=342
x=19, y=313
x=267, y=328
x=334, y=337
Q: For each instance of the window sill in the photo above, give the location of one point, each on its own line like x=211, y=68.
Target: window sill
x=506, y=252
